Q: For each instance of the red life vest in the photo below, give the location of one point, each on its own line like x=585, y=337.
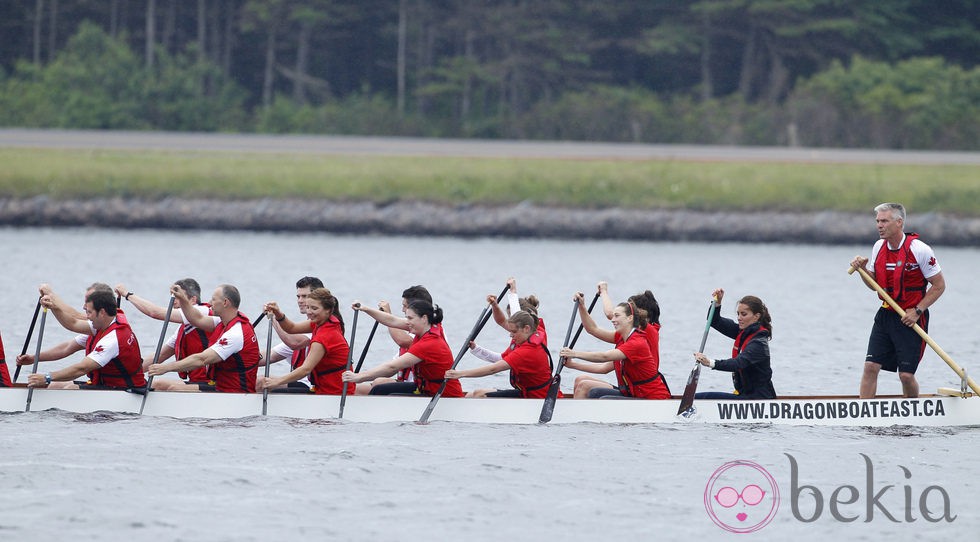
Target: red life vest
x=898, y=273
x=5, y=381
x=530, y=373
x=639, y=375
x=326, y=376
x=436, y=359
x=126, y=369
x=238, y=372
x=190, y=341
x=407, y=374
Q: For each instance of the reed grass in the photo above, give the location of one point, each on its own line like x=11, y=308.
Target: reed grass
x=735, y=186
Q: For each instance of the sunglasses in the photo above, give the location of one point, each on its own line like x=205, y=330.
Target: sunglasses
x=751, y=495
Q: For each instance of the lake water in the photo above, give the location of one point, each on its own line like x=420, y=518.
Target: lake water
x=116, y=477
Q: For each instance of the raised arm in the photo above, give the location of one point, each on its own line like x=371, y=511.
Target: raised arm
x=146, y=306
x=607, y=303
x=589, y=325
x=193, y=316
x=384, y=318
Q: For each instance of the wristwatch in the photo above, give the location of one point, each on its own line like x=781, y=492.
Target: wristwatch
x=126, y=297
x=47, y=378
x=918, y=311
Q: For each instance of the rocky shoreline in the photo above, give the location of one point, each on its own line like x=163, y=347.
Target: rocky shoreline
x=521, y=220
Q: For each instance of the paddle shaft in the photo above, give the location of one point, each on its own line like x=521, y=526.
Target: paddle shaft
x=548, y=408
x=687, y=400
x=367, y=345
x=350, y=358
x=918, y=329
x=30, y=331
x=156, y=355
x=268, y=362
x=257, y=320
x=477, y=328
x=37, y=357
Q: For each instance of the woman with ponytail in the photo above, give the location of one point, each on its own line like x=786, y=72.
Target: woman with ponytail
x=526, y=358
x=750, y=364
x=429, y=354
x=637, y=371
x=327, y=356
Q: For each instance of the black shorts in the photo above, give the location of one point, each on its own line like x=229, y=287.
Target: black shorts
x=598, y=393
x=395, y=388
x=505, y=393
x=894, y=345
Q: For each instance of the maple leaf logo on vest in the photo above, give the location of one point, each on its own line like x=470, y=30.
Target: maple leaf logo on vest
x=223, y=342
x=932, y=262
x=99, y=349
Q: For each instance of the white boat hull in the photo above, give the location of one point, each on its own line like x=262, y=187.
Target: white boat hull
x=831, y=411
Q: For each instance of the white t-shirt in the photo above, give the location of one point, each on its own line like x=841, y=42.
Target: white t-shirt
x=105, y=350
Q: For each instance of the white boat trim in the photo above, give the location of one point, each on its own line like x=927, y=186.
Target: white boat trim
x=932, y=410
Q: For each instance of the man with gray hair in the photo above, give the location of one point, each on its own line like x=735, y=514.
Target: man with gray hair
x=907, y=269
x=233, y=354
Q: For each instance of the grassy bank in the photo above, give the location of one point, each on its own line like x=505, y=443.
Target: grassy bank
x=68, y=174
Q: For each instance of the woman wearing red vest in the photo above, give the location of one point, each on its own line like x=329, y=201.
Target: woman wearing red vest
x=429, y=355
x=328, y=351
x=637, y=371
x=750, y=365
x=5, y=381
x=526, y=358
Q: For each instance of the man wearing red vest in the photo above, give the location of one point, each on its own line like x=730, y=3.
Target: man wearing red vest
x=5, y=381
x=907, y=269
x=187, y=339
x=233, y=353
x=295, y=346
x=112, y=353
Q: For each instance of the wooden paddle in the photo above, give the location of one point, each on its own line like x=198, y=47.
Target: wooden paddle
x=156, y=355
x=548, y=408
x=482, y=321
x=30, y=331
x=37, y=358
x=918, y=329
x=687, y=400
x=350, y=357
x=268, y=355
x=360, y=361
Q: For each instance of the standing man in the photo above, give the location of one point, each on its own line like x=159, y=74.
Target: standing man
x=234, y=352
x=112, y=353
x=907, y=269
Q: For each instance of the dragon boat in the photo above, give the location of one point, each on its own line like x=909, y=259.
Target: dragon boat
x=948, y=407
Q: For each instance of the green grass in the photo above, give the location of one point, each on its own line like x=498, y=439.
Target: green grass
x=67, y=174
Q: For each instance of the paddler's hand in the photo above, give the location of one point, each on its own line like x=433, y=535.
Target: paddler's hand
x=859, y=262
x=351, y=376
x=512, y=285
x=602, y=287
x=566, y=352
x=267, y=382
x=579, y=298
x=384, y=306
x=121, y=290
x=36, y=380
x=452, y=375
x=910, y=317
x=718, y=294
x=159, y=369
x=179, y=294
x=25, y=359
x=491, y=299
x=704, y=360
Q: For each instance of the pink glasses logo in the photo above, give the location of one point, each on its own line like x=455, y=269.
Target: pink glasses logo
x=743, y=510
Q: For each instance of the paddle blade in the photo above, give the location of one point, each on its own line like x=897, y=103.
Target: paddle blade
x=692, y=386
x=548, y=409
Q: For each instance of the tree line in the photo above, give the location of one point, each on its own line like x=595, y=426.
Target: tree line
x=896, y=74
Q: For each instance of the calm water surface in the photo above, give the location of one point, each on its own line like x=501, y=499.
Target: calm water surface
x=113, y=477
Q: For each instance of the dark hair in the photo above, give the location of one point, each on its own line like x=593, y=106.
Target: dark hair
x=309, y=282
x=524, y=318
x=529, y=304
x=422, y=307
x=102, y=300
x=190, y=286
x=639, y=315
x=647, y=302
x=328, y=302
x=417, y=292
x=231, y=294
x=756, y=306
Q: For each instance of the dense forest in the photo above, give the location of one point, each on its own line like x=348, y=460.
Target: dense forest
x=846, y=73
